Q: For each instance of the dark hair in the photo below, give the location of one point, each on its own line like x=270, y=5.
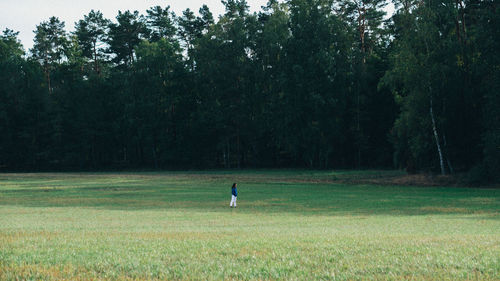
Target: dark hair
x=234, y=185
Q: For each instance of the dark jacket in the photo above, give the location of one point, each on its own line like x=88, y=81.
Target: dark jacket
x=234, y=191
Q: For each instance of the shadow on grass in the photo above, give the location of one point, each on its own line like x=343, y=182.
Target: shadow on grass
x=259, y=192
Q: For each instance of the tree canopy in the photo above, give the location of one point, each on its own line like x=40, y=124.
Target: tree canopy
x=302, y=83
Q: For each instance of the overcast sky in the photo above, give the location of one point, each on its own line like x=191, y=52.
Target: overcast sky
x=24, y=15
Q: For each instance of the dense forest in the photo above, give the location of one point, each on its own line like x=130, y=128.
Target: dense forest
x=303, y=83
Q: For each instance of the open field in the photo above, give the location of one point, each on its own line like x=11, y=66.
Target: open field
x=289, y=225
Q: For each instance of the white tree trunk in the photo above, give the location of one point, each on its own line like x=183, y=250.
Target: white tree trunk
x=434, y=129
x=436, y=136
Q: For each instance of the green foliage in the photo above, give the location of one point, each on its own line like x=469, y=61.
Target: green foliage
x=370, y=109
x=161, y=23
x=125, y=35
x=50, y=42
x=10, y=45
x=23, y=106
x=434, y=68
x=302, y=83
x=317, y=83
x=489, y=73
x=91, y=33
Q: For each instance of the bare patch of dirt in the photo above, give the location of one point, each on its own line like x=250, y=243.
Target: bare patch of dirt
x=417, y=180
x=453, y=210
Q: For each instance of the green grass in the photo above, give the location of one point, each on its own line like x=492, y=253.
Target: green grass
x=289, y=225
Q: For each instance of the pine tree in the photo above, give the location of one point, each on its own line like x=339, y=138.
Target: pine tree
x=49, y=46
x=91, y=33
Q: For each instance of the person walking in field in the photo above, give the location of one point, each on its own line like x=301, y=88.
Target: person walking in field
x=234, y=195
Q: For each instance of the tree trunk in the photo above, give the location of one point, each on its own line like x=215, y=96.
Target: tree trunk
x=436, y=136
x=238, y=149
x=155, y=158
x=48, y=81
x=362, y=28
x=450, y=167
x=431, y=112
x=47, y=76
x=96, y=63
x=228, y=158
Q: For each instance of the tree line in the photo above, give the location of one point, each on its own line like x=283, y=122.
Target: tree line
x=302, y=83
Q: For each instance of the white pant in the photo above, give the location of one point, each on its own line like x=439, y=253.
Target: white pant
x=233, y=201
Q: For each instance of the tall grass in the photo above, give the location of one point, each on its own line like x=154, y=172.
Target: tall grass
x=289, y=225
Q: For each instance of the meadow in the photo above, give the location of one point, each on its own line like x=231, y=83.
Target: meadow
x=289, y=225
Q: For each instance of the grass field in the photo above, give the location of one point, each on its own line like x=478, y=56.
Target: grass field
x=289, y=225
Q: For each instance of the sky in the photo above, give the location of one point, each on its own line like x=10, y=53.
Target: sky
x=24, y=15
